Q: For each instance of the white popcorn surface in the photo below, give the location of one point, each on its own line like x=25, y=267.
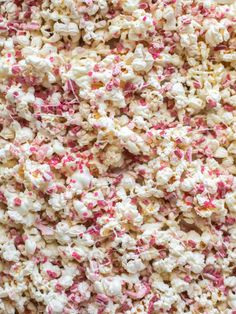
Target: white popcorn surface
x=117, y=156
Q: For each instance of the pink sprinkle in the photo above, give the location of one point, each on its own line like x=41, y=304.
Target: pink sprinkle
x=116, y=71
x=191, y=243
x=17, y=201
x=102, y=298
x=52, y=274
x=109, y=86
x=76, y=256
x=142, y=172
x=71, y=86
x=187, y=278
x=230, y=220
x=186, y=20
x=129, y=87
x=86, y=17
x=142, y=102
x=221, y=189
x=151, y=304
x=59, y=287
x=200, y=188
x=118, y=179
x=96, y=68
x=15, y=69
x=75, y=129
x=146, y=202
x=90, y=205
x=189, y=154
x=95, y=230
x=143, y=6
x=227, y=80
x=211, y=103
x=209, y=204
x=178, y=153
x=221, y=252
x=197, y=84
x=117, y=58
x=2, y=197
x=18, y=240
x=169, y=70
x=101, y=203
x=68, y=66
x=54, y=161
x=116, y=82
x=152, y=241
x=155, y=51
x=229, y=108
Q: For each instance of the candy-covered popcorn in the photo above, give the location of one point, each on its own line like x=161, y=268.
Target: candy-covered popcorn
x=117, y=151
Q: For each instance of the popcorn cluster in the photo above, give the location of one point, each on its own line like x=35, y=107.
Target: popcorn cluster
x=117, y=156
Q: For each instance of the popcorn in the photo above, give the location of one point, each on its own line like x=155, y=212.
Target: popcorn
x=179, y=285
x=134, y=143
x=80, y=179
x=196, y=261
x=231, y=201
x=65, y=30
x=132, y=264
x=143, y=60
x=221, y=152
x=213, y=36
x=57, y=201
x=117, y=148
x=81, y=209
x=112, y=286
x=58, y=148
x=169, y=16
x=163, y=176
x=232, y=148
x=38, y=176
x=129, y=6
x=188, y=184
x=38, y=63
x=9, y=252
x=232, y=300
x=24, y=135
x=30, y=246
x=56, y=303
x=62, y=230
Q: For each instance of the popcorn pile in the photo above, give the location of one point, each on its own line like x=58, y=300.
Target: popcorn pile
x=117, y=156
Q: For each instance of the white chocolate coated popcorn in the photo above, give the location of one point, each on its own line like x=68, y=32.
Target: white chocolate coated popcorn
x=117, y=151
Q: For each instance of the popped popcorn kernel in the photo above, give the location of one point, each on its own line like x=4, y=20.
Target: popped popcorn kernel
x=117, y=152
